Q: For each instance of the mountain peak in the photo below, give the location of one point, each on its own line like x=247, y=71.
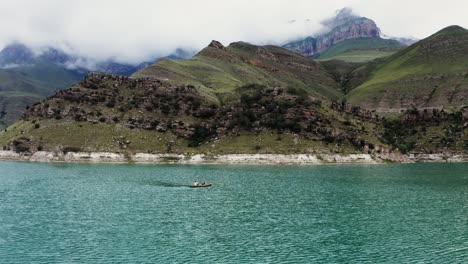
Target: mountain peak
x=240, y=44
x=452, y=29
x=20, y=54
x=16, y=53
x=343, y=26
x=216, y=44
x=450, y=36
x=344, y=13
x=214, y=49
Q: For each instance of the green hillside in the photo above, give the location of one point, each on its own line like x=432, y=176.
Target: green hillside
x=360, y=50
x=119, y=114
x=218, y=71
x=430, y=73
x=24, y=85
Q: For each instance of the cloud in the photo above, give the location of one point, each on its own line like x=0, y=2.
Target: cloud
x=9, y=66
x=341, y=16
x=81, y=63
x=133, y=31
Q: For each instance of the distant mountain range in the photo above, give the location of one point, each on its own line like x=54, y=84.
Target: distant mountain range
x=17, y=55
x=27, y=77
x=348, y=37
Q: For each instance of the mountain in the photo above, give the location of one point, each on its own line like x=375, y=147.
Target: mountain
x=346, y=33
x=121, y=114
x=114, y=113
x=258, y=99
x=430, y=73
x=27, y=76
x=218, y=71
x=17, y=54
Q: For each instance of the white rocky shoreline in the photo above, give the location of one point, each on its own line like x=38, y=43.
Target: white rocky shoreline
x=248, y=159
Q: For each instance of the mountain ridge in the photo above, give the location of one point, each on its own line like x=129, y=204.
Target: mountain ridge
x=429, y=73
x=217, y=69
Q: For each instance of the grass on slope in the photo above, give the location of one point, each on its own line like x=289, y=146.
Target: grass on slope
x=218, y=72
x=358, y=56
x=360, y=50
x=86, y=136
x=423, y=74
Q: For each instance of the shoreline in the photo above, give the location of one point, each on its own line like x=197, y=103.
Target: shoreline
x=241, y=159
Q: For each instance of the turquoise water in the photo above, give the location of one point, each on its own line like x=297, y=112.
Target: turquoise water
x=78, y=213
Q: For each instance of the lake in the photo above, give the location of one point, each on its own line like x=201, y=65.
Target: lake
x=115, y=213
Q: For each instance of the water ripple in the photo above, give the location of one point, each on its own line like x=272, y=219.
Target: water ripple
x=147, y=214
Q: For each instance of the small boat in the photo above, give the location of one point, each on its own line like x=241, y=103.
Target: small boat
x=201, y=185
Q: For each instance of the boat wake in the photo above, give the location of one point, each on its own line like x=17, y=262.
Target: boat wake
x=167, y=184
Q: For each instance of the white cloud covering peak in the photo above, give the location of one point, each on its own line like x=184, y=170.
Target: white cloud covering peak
x=132, y=31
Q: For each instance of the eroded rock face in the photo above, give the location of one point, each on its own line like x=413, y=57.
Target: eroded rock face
x=352, y=28
x=359, y=28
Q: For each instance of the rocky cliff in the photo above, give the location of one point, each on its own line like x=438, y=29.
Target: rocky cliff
x=358, y=28
x=342, y=27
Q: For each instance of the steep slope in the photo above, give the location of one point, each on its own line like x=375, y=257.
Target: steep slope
x=430, y=73
x=218, y=71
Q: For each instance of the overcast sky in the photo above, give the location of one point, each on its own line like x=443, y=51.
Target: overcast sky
x=134, y=30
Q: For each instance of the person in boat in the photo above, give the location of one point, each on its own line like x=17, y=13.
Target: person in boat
x=203, y=183
x=195, y=183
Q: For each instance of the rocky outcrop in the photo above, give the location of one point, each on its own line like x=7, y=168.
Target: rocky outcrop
x=216, y=44
x=347, y=108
